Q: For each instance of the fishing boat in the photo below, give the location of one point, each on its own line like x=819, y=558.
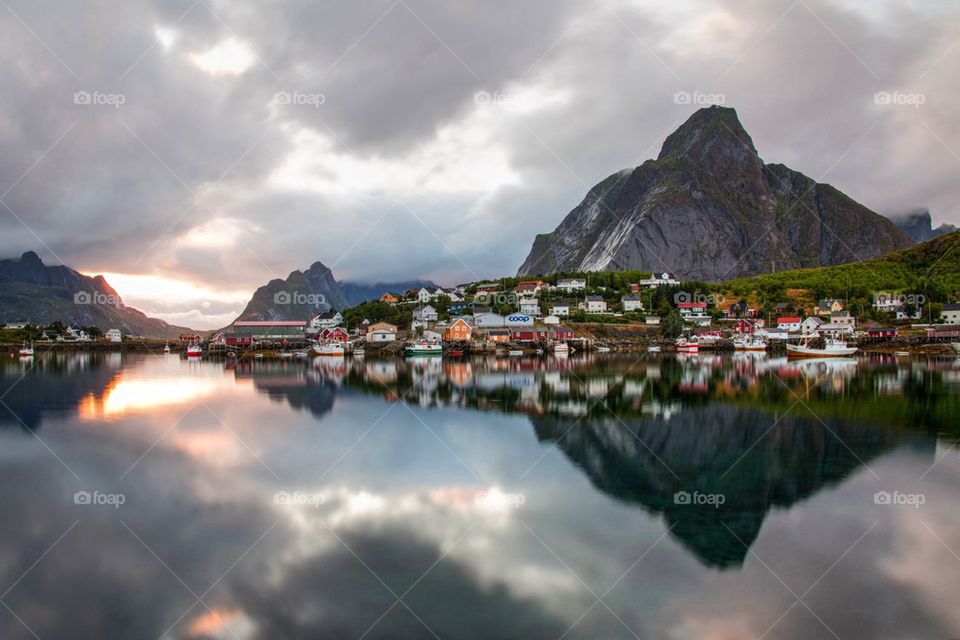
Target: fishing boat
x=424, y=348
x=194, y=351
x=329, y=349
x=26, y=350
x=561, y=347
x=831, y=349
x=687, y=346
x=749, y=343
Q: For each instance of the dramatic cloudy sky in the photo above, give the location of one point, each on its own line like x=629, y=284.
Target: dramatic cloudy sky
x=227, y=142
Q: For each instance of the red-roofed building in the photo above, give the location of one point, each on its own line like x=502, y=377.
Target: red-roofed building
x=789, y=323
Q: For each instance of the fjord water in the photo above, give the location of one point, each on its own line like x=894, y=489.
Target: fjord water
x=604, y=497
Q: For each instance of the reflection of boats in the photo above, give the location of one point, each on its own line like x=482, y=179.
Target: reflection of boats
x=424, y=348
x=358, y=352
x=687, y=346
x=654, y=348
x=300, y=354
x=194, y=351
x=515, y=352
x=901, y=353
x=561, y=347
x=831, y=349
x=603, y=349
x=26, y=350
x=749, y=343
x=329, y=349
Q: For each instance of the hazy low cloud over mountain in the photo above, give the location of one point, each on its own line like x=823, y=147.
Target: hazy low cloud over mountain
x=226, y=143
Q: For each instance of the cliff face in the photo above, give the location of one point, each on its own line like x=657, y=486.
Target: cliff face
x=919, y=225
x=30, y=291
x=302, y=295
x=708, y=208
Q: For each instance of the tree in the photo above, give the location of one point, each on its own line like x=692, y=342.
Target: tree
x=671, y=326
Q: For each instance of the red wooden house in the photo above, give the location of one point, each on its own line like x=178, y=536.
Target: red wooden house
x=529, y=335
x=336, y=334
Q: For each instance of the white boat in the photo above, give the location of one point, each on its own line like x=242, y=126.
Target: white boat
x=194, y=351
x=654, y=348
x=424, y=348
x=26, y=350
x=300, y=354
x=687, y=346
x=329, y=349
x=166, y=348
x=749, y=343
x=831, y=349
x=516, y=352
x=561, y=347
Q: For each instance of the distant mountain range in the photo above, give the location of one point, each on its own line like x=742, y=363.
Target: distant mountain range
x=32, y=292
x=708, y=208
x=305, y=293
x=919, y=226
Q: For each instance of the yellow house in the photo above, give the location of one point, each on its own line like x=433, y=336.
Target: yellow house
x=459, y=331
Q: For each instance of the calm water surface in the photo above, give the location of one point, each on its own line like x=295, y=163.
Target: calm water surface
x=148, y=497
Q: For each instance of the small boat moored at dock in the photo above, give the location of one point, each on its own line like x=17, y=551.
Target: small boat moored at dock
x=424, y=348
x=26, y=350
x=832, y=349
x=329, y=349
x=687, y=346
x=561, y=347
x=194, y=351
x=749, y=343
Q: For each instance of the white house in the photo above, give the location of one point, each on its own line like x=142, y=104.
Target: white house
x=950, y=314
x=790, y=324
x=551, y=319
x=561, y=309
x=530, y=306
x=571, y=284
x=632, y=303
x=382, y=332
x=488, y=319
x=114, y=335
x=431, y=336
x=843, y=318
x=595, y=304
x=835, y=329
x=424, y=295
x=657, y=280
x=887, y=301
x=322, y=321
x=653, y=320
x=425, y=314
x=810, y=325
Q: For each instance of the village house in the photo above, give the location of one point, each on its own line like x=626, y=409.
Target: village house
x=185, y=338
x=530, y=306
x=634, y=287
x=571, y=284
x=835, y=329
x=746, y=326
x=652, y=320
x=529, y=335
x=233, y=340
x=561, y=309
x=885, y=333
x=431, y=336
x=632, y=303
x=382, y=332
x=424, y=295
x=326, y=320
x=498, y=335
x=488, y=287
x=389, y=298
x=114, y=335
x=790, y=324
x=811, y=325
x=561, y=333
x=887, y=302
x=659, y=280
x=551, y=319
x=488, y=319
x=458, y=331
x=595, y=304
x=363, y=328
x=843, y=318
x=335, y=334
x=826, y=306
x=950, y=313
x=532, y=287
x=425, y=314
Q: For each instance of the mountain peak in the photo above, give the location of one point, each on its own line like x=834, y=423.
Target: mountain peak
x=713, y=137
x=30, y=258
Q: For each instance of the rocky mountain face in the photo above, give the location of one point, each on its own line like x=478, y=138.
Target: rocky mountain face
x=708, y=208
x=32, y=292
x=306, y=293
x=919, y=225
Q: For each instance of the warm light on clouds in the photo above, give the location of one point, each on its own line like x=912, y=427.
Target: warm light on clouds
x=230, y=57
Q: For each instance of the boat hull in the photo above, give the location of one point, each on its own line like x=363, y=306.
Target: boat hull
x=794, y=351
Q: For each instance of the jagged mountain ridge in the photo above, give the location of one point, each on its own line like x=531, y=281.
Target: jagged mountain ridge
x=31, y=291
x=919, y=225
x=708, y=208
x=305, y=293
